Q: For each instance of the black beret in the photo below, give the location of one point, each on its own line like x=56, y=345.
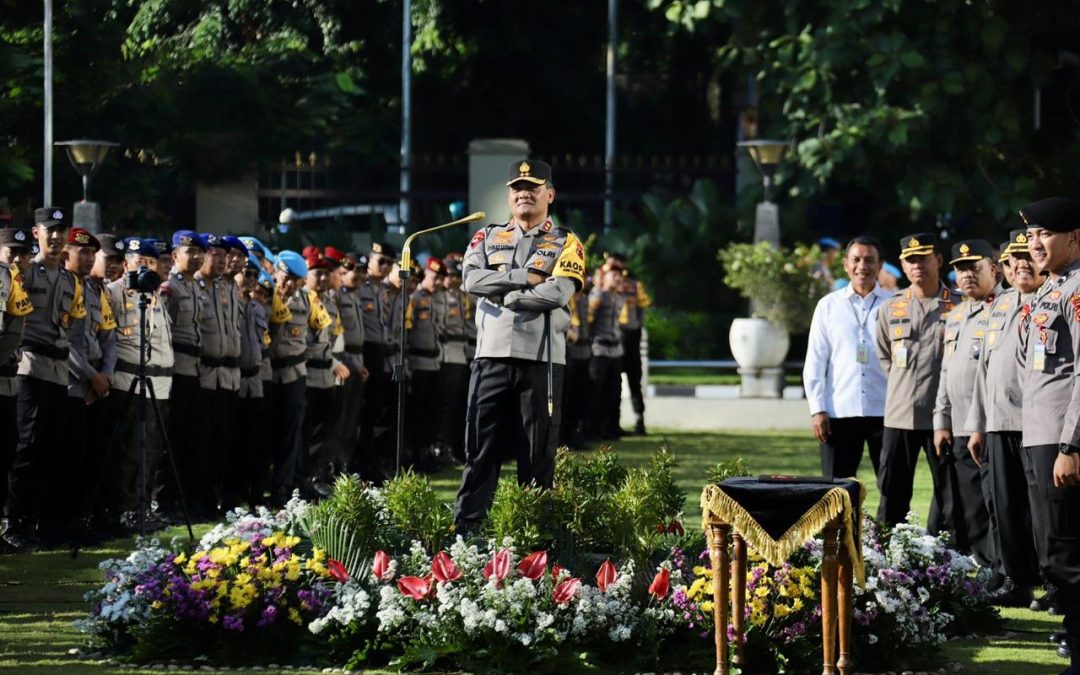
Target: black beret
x=1055, y=214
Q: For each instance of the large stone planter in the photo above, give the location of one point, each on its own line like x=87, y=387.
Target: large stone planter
x=759, y=347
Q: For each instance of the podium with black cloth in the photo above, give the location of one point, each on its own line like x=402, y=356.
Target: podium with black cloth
x=776, y=515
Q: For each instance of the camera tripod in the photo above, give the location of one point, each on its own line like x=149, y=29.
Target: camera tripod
x=141, y=382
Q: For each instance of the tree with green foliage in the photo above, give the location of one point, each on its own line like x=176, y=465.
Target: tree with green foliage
x=926, y=105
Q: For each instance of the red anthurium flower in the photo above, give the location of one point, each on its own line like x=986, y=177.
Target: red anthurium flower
x=660, y=528
x=443, y=568
x=556, y=570
x=534, y=565
x=606, y=575
x=380, y=566
x=416, y=588
x=675, y=527
x=336, y=570
x=661, y=584
x=499, y=567
x=564, y=592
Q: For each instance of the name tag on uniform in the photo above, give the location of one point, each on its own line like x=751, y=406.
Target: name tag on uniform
x=862, y=353
x=991, y=339
x=899, y=355
x=1039, y=362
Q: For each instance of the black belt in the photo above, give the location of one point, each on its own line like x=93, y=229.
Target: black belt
x=416, y=351
x=608, y=342
x=151, y=371
x=250, y=372
x=354, y=349
x=222, y=362
x=319, y=363
x=56, y=353
x=388, y=349
x=9, y=371
x=189, y=349
x=287, y=361
x=454, y=338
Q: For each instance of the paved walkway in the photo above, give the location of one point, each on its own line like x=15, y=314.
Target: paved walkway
x=705, y=414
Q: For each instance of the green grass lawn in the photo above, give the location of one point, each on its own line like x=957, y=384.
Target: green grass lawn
x=41, y=594
x=689, y=377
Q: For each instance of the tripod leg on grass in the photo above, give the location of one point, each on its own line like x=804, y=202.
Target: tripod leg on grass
x=172, y=460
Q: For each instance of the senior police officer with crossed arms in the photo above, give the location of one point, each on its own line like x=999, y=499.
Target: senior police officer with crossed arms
x=1051, y=400
x=909, y=347
x=522, y=320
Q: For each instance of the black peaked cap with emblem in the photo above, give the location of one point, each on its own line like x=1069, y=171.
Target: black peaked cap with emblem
x=533, y=171
x=971, y=250
x=49, y=216
x=920, y=243
x=1055, y=214
x=1018, y=242
x=13, y=237
x=385, y=249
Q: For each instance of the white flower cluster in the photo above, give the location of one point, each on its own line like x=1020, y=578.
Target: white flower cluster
x=609, y=612
x=116, y=604
x=351, y=607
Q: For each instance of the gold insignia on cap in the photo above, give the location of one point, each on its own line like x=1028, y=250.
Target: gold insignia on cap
x=376, y=247
x=524, y=168
x=186, y=241
x=1021, y=238
x=82, y=238
x=133, y=244
x=964, y=249
x=913, y=242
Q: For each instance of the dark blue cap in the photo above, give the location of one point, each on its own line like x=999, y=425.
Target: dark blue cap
x=187, y=238
x=232, y=243
x=163, y=247
x=210, y=240
x=144, y=247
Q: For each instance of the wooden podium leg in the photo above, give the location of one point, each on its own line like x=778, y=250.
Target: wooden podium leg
x=738, y=587
x=828, y=600
x=845, y=598
x=718, y=555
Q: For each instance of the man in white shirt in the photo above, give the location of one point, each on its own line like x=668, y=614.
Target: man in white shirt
x=845, y=385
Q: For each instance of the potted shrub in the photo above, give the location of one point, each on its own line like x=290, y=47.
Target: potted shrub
x=783, y=291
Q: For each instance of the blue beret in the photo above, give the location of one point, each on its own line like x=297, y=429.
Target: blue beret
x=232, y=243
x=187, y=238
x=163, y=247
x=252, y=261
x=212, y=240
x=828, y=242
x=254, y=244
x=266, y=281
x=143, y=247
x=292, y=262
x=893, y=270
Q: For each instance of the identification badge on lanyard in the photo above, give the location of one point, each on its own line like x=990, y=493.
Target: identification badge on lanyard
x=899, y=355
x=862, y=353
x=1039, y=362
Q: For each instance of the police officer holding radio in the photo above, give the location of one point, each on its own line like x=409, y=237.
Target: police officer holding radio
x=1051, y=400
x=524, y=272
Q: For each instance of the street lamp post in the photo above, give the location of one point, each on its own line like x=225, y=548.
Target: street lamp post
x=85, y=156
x=767, y=155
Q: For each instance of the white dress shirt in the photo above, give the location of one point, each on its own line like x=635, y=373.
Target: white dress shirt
x=837, y=381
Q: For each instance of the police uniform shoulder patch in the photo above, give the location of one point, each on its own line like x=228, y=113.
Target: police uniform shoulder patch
x=1075, y=302
x=478, y=238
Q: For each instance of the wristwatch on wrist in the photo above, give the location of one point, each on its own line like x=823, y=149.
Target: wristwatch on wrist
x=1066, y=449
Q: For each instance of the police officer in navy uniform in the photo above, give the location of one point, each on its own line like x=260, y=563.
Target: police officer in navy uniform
x=56, y=295
x=525, y=272
x=14, y=306
x=1051, y=399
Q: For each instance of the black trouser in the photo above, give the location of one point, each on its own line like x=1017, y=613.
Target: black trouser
x=9, y=439
x=289, y=405
x=604, y=415
x=1037, y=503
x=1061, y=506
x=896, y=476
x=1006, y=492
x=631, y=365
x=377, y=391
x=348, y=456
x=507, y=402
x=68, y=478
x=576, y=396
x=215, y=456
x=188, y=438
x=420, y=429
x=842, y=453
x=454, y=394
x=99, y=426
x=129, y=478
x=319, y=425
x=249, y=457
x=974, y=534
x=40, y=410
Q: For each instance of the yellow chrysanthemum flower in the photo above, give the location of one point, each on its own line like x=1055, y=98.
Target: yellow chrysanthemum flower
x=294, y=616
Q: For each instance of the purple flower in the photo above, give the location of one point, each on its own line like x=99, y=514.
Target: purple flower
x=234, y=622
x=267, y=617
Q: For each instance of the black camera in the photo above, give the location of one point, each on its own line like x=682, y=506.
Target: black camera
x=145, y=280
